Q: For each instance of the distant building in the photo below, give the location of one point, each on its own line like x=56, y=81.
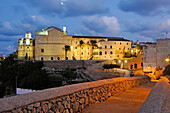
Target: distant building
x=26, y=47
x=136, y=64
x=156, y=55
x=53, y=43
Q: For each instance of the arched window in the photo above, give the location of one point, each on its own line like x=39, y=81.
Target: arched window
x=58, y=58
x=135, y=65
x=51, y=58
x=100, y=53
x=131, y=66
x=42, y=58
x=142, y=64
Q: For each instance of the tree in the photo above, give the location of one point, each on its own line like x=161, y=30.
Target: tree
x=92, y=44
x=81, y=43
x=166, y=72
x=26, y=56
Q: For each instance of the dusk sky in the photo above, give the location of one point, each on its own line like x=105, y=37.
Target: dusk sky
x=143, y=20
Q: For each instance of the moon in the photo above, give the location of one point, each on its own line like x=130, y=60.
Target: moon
x=62, y=3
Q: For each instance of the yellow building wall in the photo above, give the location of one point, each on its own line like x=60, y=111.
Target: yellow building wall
x=26, y=49
x=53, y=45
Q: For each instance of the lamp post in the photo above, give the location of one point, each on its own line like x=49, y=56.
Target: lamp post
x=167, y=61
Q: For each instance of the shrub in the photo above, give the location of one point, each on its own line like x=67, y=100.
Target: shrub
x=166, y=72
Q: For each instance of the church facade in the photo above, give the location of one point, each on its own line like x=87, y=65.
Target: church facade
x=26, y=47
x=53, y=43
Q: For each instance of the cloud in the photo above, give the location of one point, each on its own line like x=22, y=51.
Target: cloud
x=19, y=27
x=147, y=30
x=101, y=25
x=145, y=7
x=69, y=8
x=10, y=49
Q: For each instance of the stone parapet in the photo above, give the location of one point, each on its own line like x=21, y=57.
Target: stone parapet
x=69, y=99
x=158, y=100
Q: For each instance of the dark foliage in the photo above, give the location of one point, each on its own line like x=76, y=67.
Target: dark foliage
x=110, y=66
x=29, y=74
x=167, y=71
x=69, y=74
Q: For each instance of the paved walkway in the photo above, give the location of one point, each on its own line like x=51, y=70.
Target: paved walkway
x=127, y=102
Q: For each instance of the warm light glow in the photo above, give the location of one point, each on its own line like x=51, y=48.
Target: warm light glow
x=125, y=61
x=148, y=66
x=167, y=59
x=71, y=47
x=132, y=51
x=119, y=61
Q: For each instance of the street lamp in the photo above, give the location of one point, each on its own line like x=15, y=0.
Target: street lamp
x=167, y=59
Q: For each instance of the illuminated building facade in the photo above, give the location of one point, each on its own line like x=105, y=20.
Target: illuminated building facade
x=53, y=43
x=26, y=47
x=156, y=55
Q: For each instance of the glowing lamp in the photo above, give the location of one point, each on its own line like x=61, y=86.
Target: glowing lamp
x=125, y=61
x=167, y=59
x=119, y=61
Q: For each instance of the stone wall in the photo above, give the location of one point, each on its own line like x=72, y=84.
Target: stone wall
x=158, y=100
x=74, y=64
x=68, y=99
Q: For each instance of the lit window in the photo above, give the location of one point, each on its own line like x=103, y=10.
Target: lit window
x=21, y=42
x=27, y=42
x=42, y=50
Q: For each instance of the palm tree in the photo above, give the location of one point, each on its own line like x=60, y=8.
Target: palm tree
x=92, y=44
x=81, y=43
x=66, y=48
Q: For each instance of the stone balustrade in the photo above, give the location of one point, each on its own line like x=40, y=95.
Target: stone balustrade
x=68, y=99
x=158, y=100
